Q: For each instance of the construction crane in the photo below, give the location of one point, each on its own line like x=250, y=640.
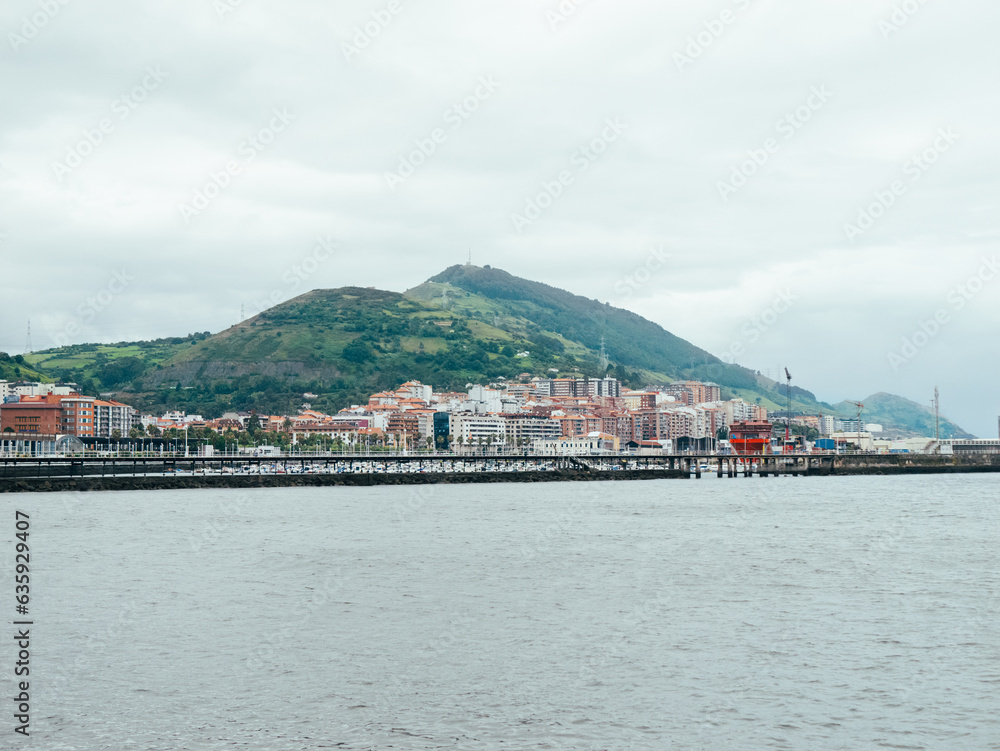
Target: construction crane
x=937, y=420
x=861, y=408
x=788, y=414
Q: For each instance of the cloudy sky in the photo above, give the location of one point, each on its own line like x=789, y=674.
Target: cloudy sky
x=782, y=183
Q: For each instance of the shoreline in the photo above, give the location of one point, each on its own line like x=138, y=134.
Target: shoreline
x=119, y=482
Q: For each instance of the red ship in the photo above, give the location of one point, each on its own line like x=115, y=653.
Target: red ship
x=750, y=437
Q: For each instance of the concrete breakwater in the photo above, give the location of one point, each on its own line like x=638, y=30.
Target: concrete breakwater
x=134, y=482
x=97, y=476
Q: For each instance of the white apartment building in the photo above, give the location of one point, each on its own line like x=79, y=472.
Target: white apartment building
x=474, y=429
x=111, y=416
x=592, y=443
x=417, y=390
x=33, y=388
x=525, y=430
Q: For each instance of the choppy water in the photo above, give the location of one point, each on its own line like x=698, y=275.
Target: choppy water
x=777, y=613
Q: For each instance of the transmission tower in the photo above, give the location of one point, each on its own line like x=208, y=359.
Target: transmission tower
x=243, y=313
x=937, y=420
x=27, y=341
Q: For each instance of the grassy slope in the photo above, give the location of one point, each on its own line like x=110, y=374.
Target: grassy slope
x=13, y=371
x=629, y=338
x=86, y=360
x=520, y=306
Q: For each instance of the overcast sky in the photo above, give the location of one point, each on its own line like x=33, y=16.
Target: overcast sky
x=781, y=183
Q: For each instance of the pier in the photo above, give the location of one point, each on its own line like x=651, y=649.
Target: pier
x=25, y=474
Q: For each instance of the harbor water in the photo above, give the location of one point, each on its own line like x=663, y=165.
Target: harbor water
x=762, y=613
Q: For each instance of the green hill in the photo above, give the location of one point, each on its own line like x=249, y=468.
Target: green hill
x=465, y=325
x=899, y=415
x=641, y=352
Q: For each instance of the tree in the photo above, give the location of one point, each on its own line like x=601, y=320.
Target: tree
x=117, y=434
x=358, y=352
x=133, y=433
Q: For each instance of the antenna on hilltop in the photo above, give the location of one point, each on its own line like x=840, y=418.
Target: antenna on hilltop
x=243, y=313
x=27, y=341
x=469, y=262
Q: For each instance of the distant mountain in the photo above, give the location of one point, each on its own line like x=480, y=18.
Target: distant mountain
x=902, y=416
x=465, y=325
